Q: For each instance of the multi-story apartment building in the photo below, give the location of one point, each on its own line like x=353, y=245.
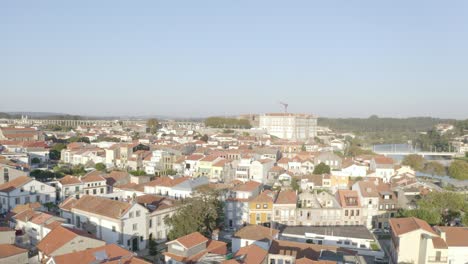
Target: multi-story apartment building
x=318, y=209
x=113, y=221
x=159, y=208
x=68, y=186
x=353, y=213
x=9, y=172
x=94, y=183
x=284, y=208
x=237, y=203
x=261, y=208
x=289, y=126
x=415, y=241
x=23, y=190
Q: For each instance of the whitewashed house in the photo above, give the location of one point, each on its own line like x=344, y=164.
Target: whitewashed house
x=23, y=190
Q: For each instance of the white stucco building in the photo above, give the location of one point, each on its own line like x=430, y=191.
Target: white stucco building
x=289, y=126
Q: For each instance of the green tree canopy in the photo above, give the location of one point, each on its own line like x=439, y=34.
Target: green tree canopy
x=138, y=173
x=201, y=213
x=459, y=169
x=100, y=166
x=221, y=122
x=430, y=216
x=321, y=168
x=35, y=160
x=414, y=161
x=152, y=125
x=434, y=168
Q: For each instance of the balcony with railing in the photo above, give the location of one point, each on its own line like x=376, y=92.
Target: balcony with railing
x=435, y=259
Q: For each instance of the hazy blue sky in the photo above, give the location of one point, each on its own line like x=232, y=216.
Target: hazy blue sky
x=198, y=58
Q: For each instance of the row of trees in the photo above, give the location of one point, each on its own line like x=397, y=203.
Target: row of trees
x=222, y=122
x=458, y=169
x=439, y=208
x=418, y=163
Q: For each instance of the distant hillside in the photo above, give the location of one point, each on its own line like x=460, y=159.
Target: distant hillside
x=376, y=124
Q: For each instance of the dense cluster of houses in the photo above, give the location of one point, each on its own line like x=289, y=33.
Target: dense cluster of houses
x=278, y=210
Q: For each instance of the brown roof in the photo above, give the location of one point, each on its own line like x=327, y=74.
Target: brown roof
x=159, y=202
x=212, y=246
x=58, y=237
x=69, y=179
x=7, y=250
x=438, y=242
x=23, y=207
x=277, y=169
x=309, y=261
x=252, y=254
x=345, y=195
x=247, y=186
x=14, y=184
x=368, y=189
x=93, y=176
x=221, y=163
x=286, y=197
x=455, y=236
x=191, y=240
x=298, y=250
x=402, y=226
x=266, y=196
x=167, y=181
x=102, y=206
x=256, y=232
x=383, y=160
x=68, y=203
x=114, y=253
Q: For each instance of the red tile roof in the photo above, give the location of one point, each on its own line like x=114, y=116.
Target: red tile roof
x=191, y=240
x=455, y=236
x=102, y=206
x=114, y=253
x=401, y=226
x=58, y=237
x=7, y=250
x=286, y=197
x=69, y=180
x=252, y=254
x=257, y=233
x=14, y=184
x=247, y=186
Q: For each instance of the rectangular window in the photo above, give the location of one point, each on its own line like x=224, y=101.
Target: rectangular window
x=265, y=206
x=113, y=229
x=346, y=212
x=137, y=213
x=94, y=191
x=130, y=215
x=258, y=206
x=150, y=223
x=357, y=212
x=102, y=190
x=47, y=197
x=258, y=217
x=135, y=226
x=26, y=199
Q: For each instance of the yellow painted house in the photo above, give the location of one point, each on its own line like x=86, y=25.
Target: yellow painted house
x=261, y=208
